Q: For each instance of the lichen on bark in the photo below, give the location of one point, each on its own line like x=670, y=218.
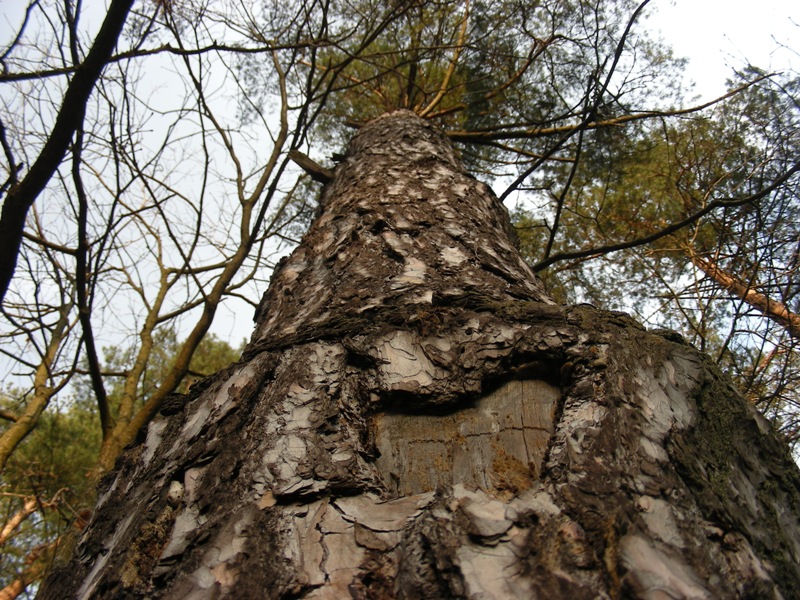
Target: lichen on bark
x=415, y=418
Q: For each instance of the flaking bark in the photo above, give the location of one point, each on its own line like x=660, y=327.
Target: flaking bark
x=415, y=418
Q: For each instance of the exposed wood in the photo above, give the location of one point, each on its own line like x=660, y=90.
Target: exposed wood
x=415, y=418
x=498, y=443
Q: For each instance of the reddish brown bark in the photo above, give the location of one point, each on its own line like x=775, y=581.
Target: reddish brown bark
x=772, y=309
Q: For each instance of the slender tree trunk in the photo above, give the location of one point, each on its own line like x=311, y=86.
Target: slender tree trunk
x=22, y=194
x=415, y=418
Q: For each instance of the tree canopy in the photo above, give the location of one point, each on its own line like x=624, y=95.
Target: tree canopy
x=178, y=186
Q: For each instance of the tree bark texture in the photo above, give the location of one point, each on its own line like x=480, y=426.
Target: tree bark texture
x=415, y=418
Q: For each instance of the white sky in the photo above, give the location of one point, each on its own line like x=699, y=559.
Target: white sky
x=714, y=34
x=718, y=35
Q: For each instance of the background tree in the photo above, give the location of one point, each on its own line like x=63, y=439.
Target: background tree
x=47, y=494
x=20, y=194
x=48, y=486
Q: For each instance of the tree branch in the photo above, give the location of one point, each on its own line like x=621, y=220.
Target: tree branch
x=315, y=170
x=451, y=68
x=713, y=205
x=514, y=132
x=772, y=309
x=21, y=196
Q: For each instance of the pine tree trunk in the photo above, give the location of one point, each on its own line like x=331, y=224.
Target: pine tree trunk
x=416, y=418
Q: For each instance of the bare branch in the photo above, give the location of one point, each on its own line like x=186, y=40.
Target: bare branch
x=316, y=171
x=21, y=196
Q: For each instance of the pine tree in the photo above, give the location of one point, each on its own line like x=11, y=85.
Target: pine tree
x=414, y=417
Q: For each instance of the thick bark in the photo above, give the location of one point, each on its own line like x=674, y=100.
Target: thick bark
x=415, y=418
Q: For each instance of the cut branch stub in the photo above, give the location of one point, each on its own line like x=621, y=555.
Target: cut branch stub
x=415, y=418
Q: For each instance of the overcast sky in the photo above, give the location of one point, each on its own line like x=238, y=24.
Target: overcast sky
x=717, y=35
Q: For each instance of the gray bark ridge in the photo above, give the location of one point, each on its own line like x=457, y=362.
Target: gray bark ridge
x=415, y=418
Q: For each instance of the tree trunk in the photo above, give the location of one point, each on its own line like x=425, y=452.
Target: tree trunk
x=415, y=418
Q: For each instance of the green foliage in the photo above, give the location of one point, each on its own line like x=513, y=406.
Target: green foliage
x=56, y=464
x=53, y=467
x=483, y=65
